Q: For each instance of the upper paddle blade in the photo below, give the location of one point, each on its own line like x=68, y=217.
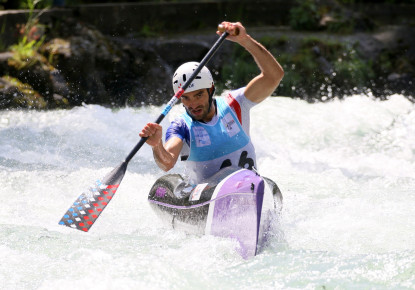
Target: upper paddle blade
x=89, y=205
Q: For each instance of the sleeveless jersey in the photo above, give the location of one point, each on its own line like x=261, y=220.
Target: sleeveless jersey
x=218, y=145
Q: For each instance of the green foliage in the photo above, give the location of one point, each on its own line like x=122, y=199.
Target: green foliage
x=334, y=16
x=273, y=42
x=306, y=74
x=394, y=60
x=305, y=16
x=25, y=51
x=32, y=4
x=351, y=71
x=239, y=69
x=347, y=1
x=2, y=45
x=149, y=30
x=316, y=70
x=379, y=1
x=342, y=26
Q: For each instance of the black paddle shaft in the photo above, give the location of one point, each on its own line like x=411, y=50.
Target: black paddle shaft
x=89, y=205
x=204, y=61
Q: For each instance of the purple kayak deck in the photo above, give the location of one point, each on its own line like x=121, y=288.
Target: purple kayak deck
x=238, y=215
x=238, y=209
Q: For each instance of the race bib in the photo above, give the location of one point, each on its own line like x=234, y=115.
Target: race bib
x=230, y=124
x=201, y=137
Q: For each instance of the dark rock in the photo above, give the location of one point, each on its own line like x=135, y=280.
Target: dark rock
x=14, y=94
x=4, y=58
x=401, y=83
x=368, y=46
x=38, y=76
x=59, y=84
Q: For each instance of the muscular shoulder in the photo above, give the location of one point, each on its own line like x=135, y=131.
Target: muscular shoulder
x=238, y=102
x=238, y=96
x=178, y=128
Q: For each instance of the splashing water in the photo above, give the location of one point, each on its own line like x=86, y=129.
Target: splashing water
x=346, y=170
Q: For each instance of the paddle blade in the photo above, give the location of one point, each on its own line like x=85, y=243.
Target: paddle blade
x=89, y=205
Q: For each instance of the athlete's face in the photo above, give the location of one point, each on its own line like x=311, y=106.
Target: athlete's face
x=197, y=105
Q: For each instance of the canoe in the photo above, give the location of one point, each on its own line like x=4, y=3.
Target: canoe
x=232, y=204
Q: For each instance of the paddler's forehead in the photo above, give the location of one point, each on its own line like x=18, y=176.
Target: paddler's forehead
x=193, y=94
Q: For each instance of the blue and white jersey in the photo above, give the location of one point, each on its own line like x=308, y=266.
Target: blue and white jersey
x=222, y=142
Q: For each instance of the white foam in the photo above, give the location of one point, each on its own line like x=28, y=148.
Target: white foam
x=346, y=170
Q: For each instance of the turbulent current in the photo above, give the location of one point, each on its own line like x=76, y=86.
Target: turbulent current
x=346, y=170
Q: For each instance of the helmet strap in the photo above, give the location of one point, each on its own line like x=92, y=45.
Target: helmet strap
x=211, y=92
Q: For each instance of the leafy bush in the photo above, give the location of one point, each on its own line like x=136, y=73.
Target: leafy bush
x=25, y=52
x=305, y=16
x=318, y=69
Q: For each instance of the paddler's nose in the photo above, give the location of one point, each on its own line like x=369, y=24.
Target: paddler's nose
x=192, y=103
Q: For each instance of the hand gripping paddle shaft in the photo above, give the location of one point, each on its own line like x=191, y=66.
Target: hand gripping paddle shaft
x=88, y=206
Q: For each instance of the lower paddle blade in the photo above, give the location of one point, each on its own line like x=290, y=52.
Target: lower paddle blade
x=90, y=204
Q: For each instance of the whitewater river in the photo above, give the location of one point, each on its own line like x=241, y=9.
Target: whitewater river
x=346, y=170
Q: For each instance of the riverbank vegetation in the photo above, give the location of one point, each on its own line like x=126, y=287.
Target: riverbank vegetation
x=328, y=51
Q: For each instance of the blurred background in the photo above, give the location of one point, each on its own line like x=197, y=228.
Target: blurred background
x=61, y=53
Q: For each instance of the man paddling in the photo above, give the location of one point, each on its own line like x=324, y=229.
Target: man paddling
x=213, y=133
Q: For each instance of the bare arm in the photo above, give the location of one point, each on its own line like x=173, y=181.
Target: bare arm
x=264, y=84
x=165, y=155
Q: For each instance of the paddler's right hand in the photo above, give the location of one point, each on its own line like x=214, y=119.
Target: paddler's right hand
x=154, y=133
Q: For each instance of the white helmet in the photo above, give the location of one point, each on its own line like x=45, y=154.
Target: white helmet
x=203, y=80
